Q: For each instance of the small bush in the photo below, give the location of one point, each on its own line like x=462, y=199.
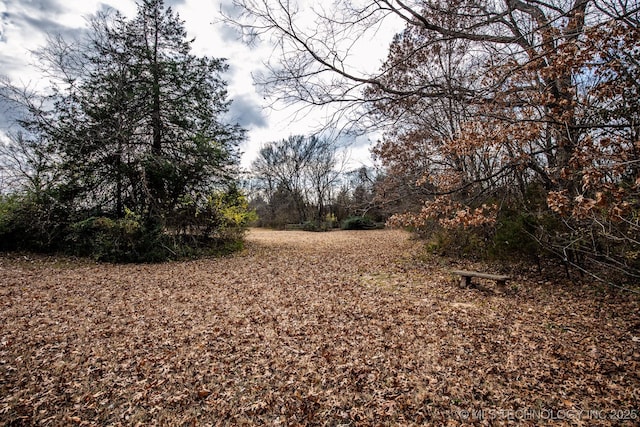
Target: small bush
x=316, y=226
x=358, y=223
x=514, y=236
x=115, y=240
x=470, y=242
x=331, y=221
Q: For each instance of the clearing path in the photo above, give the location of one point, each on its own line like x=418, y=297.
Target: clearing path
x=346, y=327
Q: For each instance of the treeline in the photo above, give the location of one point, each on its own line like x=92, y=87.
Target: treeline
x=303, y=180
x=128, y=156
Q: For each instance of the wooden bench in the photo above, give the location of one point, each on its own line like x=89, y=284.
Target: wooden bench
x=465, y=278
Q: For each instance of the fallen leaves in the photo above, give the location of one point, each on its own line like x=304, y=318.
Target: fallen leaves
x=303, y=328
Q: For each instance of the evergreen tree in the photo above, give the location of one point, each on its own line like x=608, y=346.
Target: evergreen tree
x=144, y=125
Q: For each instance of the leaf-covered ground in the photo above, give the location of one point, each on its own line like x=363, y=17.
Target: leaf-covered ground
x=340, y=328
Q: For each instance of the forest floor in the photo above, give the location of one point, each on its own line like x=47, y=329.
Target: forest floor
x=343, y=328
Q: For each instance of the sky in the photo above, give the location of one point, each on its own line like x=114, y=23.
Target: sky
x=24, y=25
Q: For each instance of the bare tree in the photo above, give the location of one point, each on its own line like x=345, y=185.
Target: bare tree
x=316, y=65
x=317, y=59
x=306, y=168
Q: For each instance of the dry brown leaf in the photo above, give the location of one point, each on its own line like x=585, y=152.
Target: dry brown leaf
x=351, y=328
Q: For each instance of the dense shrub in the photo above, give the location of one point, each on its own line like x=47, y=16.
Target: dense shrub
x=514, y=236
x=32, y=222
x=471, y=243
x=220, y=215
x=317, y=225
x=358, y=223
x=116, y=240
x=214, y=224
x=8, y=211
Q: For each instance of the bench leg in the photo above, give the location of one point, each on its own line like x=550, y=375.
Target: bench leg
x=465, y=281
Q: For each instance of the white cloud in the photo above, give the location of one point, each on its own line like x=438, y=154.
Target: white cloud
x=4, y=138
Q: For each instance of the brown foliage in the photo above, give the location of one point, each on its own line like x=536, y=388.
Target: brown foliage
x=306, y=329
x=547, y=113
